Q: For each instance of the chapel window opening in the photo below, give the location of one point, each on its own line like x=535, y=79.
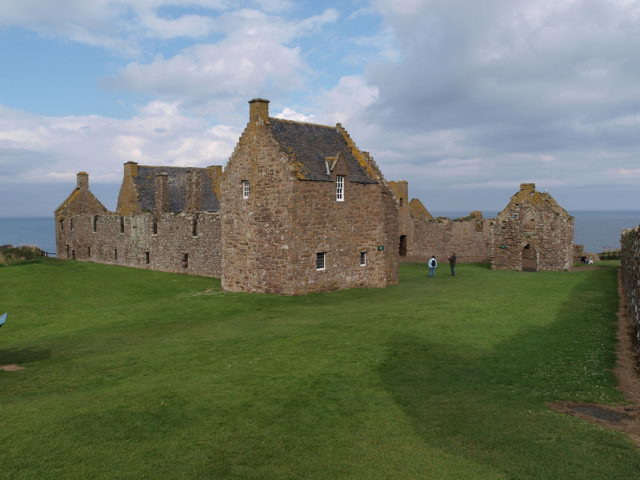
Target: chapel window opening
x=185, y=260
x=340, y=188
x=147, y=258
x=246, y=189
x=194, y=227
x=363, y=259
x=121, y=224
x=95, y=223
x=154, y=226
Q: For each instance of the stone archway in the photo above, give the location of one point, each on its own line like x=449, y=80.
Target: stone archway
x=529, y=258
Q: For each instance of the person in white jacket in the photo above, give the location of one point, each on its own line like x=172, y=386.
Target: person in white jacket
x=432, y=264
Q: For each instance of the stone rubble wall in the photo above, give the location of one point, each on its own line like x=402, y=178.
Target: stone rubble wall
x=630, y=262
x=137, y=246
x=470, y=239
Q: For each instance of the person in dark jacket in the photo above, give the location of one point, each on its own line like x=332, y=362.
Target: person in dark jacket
x=452, y=264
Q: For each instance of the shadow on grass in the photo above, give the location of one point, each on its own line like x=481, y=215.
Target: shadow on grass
x=24, y=355
x=490, y=405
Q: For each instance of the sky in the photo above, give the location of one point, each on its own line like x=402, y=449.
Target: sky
x=464, y=99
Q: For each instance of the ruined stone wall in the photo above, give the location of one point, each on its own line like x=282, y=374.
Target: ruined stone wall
x=256, y=231
x=363, y=222
x=184, y=243
x=471, y=240
x=630, y=261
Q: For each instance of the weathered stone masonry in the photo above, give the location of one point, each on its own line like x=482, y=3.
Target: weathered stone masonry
x=630, y=261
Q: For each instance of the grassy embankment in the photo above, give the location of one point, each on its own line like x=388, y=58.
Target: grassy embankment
x=135, y=374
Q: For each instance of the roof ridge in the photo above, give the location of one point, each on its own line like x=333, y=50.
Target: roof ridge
x=297, y=122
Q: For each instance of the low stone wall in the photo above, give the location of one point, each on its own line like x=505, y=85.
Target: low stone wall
x=170, y=242
x=630, y=261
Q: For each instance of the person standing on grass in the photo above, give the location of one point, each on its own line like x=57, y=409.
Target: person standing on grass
x=452, y=264
x=432, y=264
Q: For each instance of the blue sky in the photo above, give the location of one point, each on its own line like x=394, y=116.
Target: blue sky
x=464, y=99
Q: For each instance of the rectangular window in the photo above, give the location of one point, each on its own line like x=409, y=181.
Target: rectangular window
x=121, y=224
x=71, y=224
x=340, y=188
x=147, y=258
x=246, y=188
x=115, y=254
x=320, y=260
x=194, y=227
x=185, y=260
x=95, y=223
x=62, y=225
x=363, y=259
x=88, y=251
x=154, y=226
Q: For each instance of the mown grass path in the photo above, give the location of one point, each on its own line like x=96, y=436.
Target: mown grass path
x=134, y=374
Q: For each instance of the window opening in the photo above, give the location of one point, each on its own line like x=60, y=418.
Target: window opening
x=363, y=259
x=115, y=254
x=95, y=223
x=67, y=251
x=71, y=224
x=194, y=227
x=185, y=260
x=340, y=188
x=320, y=260
x=73, y=254
x=246, y=189
x=147, y=258
x=154, y=226
x=88, y=251
x=62, y=225
x=121, y=224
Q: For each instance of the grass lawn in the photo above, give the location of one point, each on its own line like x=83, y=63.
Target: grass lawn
x=133, y=374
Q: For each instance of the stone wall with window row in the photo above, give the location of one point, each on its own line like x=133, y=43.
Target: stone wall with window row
x=130, y=240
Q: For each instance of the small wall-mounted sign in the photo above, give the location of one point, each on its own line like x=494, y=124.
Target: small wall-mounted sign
x=380, y=248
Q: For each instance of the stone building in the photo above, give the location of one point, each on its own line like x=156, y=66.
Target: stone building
x=299, y=208
x=303, y=209
x=167, y=219
x=532, y=233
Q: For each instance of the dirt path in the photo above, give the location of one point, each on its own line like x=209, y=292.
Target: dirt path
x=624, y=418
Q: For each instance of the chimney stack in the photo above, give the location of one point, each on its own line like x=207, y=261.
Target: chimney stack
x=130, y=169
x=83, y=180
x=162, y=192
x=528, y=187
x=258, y=110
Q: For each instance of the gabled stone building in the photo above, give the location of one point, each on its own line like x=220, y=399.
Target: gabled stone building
x=303, y=209
x=298, y=209
x=532, y=233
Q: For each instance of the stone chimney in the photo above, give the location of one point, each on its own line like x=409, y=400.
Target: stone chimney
x=131, y=169
x=162, y=192
x=258, y=110
x=527, y=187
x=83, y=180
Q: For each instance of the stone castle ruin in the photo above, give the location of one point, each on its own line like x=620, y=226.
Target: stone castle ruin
x=298, y=208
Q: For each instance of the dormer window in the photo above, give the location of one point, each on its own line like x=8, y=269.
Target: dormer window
x=340, y=188
x=246, y=189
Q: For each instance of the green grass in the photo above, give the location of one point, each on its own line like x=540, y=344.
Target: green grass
x=134, y=374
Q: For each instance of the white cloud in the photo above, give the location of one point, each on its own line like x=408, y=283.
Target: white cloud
x=35, y=148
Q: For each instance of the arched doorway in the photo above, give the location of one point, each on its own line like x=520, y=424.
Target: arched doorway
x=529, y=258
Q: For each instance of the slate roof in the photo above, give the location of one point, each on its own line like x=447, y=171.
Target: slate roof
x=309, y=144
x=178, y=179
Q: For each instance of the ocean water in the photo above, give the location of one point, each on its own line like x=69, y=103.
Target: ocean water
x=596, y=230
